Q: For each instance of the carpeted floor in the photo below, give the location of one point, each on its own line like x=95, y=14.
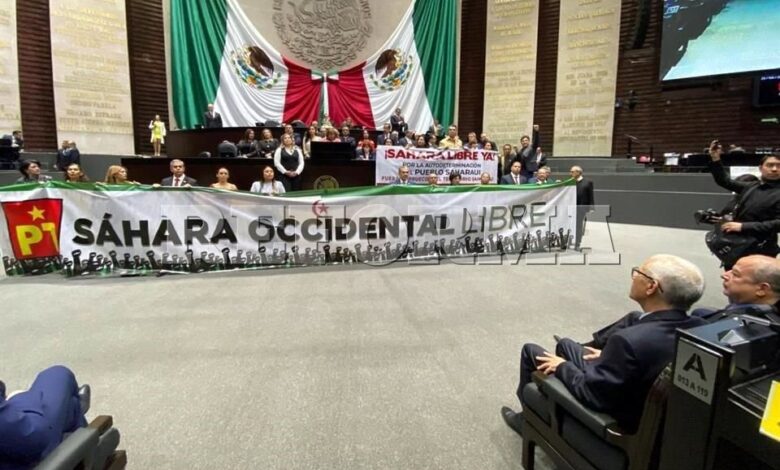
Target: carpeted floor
x=396, y=367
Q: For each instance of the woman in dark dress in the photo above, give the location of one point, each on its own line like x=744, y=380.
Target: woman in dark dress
x=267, y=145
x=288, y=160
x=247, y=147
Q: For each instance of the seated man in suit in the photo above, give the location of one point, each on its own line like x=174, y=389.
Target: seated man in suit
x=752, y=287
x=616, y=380
x=514, y=176
x=32, y=422
x=178, y=178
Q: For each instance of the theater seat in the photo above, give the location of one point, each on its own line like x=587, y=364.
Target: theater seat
x=575, y=437
x=90, y=448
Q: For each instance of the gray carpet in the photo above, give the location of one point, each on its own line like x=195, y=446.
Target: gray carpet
x=396, y=367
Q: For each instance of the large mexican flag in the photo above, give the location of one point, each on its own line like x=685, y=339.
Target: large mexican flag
x=219, y=56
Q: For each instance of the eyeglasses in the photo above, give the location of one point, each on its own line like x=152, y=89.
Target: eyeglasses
x=635, y=270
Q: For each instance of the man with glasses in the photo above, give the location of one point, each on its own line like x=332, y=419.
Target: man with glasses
x=616, y=380
x=757, y=213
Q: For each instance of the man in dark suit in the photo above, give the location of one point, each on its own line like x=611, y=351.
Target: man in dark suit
x=387, y=133
x=527, y=153
x=585, y=202
x=33, y=422
x=514, y=176
x=616, y=380
x=67, y=155
x=178, y=178
x=17, y=140
x=752, y=287
x=211, y=118
x=398, y=123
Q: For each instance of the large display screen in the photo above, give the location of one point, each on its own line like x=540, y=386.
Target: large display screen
x=716, y=37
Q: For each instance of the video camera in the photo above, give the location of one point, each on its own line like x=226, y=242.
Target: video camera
x=710, y=216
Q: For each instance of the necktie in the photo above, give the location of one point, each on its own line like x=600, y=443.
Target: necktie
x=176, y=181
x=516, y=180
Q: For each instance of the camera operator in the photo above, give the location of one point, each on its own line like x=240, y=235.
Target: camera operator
x=757, y=212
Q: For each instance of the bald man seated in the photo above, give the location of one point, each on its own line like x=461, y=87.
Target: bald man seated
x=752, y=287
x=616, y=380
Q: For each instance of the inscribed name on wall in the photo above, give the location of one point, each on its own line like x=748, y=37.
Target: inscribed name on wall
x=91, y=71
x=588, y=46
x=510, y=69
x=10, y=109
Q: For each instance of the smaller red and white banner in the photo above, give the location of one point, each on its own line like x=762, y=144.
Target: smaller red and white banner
x=422, y=162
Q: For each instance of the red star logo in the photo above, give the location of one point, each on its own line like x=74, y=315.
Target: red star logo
x=319, y=208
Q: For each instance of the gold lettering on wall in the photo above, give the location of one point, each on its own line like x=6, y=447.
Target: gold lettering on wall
x=10, y=109
x=510, y=69
x=588, y=47
x=91, y=71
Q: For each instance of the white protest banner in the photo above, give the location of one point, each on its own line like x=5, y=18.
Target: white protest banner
x=99, y=229
x=422, y=162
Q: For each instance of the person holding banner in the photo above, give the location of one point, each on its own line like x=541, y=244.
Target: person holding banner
x=454, y=178
x=31, y=172
x=514, y=176
x=288, y=160
x=117, y=174
x=74, y=174
x=178, y=178
x=433, y=179
x=484, y=178
x=223, y=175
x=268, y=185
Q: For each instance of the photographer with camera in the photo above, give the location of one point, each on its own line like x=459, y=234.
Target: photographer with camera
x=752, y=228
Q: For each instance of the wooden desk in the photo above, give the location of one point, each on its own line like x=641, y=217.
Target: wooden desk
x=244, y=171
x=191, y=142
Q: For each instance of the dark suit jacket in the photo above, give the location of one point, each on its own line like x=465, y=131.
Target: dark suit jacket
x=585, y=194
x=508, y=179
x=381, y=138
x=64, y=159
x=187, y=180
x=212, y=122
x=396, y=125
x=617, y=383
x=527, y=156
x=601, y=336
x=530, y=165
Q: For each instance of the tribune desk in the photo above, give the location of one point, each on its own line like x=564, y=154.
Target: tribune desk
x=191, y=142
x=317, y=173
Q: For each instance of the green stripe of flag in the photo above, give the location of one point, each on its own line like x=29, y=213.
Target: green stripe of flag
x=198, y=29
x=435, y=35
